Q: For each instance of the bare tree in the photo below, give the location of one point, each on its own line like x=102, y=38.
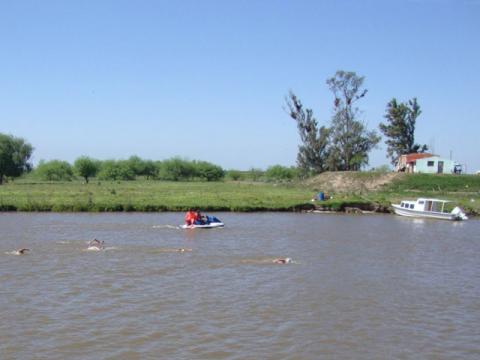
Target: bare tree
x=313, y=152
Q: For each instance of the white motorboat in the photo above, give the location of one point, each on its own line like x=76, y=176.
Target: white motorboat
x=429, y=208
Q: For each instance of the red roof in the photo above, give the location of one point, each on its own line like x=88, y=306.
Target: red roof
x=415, y=156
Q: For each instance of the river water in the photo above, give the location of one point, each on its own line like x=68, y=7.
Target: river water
x=359, y=287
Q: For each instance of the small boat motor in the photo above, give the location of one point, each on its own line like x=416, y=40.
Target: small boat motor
x=459, y=213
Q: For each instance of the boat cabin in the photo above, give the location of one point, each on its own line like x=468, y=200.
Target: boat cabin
x=433, y=205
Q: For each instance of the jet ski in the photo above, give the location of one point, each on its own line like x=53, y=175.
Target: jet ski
x=208, y=222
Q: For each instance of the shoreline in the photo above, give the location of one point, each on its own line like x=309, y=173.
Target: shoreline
x=344, y=195
x=346, y=211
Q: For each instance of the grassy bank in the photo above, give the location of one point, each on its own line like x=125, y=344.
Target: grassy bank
x=462, y=190
x=142, y=195
x=370, y=191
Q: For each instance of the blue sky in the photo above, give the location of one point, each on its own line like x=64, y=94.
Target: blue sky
x=207, y=79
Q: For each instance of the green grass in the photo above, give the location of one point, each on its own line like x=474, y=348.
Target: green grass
x=142, y=195
x=462, y=190
x=437, y=183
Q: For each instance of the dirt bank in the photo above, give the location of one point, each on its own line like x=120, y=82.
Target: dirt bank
x=351, y=181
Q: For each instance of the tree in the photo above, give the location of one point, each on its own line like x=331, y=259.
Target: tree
x=142, y=167
x=400, y=128
x=15, y=154
x=116, y=170
x=313, y=153
x=254, y=174
x=207, y=171
x=281, y=173
x=350, y=140
x=54, y=170
x=137, y=165
x=86, y=167
x=235, y=175
x=176, y=169
x=150, y=169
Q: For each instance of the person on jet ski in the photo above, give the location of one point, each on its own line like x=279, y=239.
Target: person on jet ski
x=190, y=217
x=201, y=219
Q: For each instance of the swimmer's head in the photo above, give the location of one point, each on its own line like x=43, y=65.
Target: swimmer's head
x=288, y=260
x=21, y=251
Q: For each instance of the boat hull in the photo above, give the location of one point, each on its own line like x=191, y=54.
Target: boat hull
x=424, y=214
x=212, y=225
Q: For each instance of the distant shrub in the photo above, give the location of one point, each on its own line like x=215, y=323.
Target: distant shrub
x=54, y=170
x=234, y=175
x=136, y=164
x=150, y=169
x=206, y=171
x=176, y=169
x=116, y=170
x=142, y=167
x=254, y=174
x=281, y=173
x=86, y=167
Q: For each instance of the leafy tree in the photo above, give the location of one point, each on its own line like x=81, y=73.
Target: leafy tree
x=54, y=170
x=116, y=170
x=207, y=171
x=254, y=174
x=281, y=173
x=150, y=169
x=15, y=154
x=86, y=167
x=176, y=169
x=235, y=175
x=142, y=167
x=158, y=164
x=313, y=153
x=350, y=140
x=400, y=128
x=137, y=165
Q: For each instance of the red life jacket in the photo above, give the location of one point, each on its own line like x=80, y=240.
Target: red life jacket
x=190, y=217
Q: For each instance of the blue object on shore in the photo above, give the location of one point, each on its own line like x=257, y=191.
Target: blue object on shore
x=321, y=196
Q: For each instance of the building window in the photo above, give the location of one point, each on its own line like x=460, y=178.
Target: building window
x=430, y=163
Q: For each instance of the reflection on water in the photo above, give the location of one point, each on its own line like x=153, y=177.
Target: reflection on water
x=359, y=287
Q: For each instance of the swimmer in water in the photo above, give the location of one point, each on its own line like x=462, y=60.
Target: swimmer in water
x=283, y=261
x=22, y=251
x=174, y=250
x=96, y=245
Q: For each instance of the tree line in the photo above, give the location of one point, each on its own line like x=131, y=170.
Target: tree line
x=174, y=169
x=346, y=143
x=15, y=156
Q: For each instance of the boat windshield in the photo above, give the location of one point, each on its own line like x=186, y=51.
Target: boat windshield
x=438, y=206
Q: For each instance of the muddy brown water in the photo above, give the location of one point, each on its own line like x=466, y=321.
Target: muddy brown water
x=359, y=287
